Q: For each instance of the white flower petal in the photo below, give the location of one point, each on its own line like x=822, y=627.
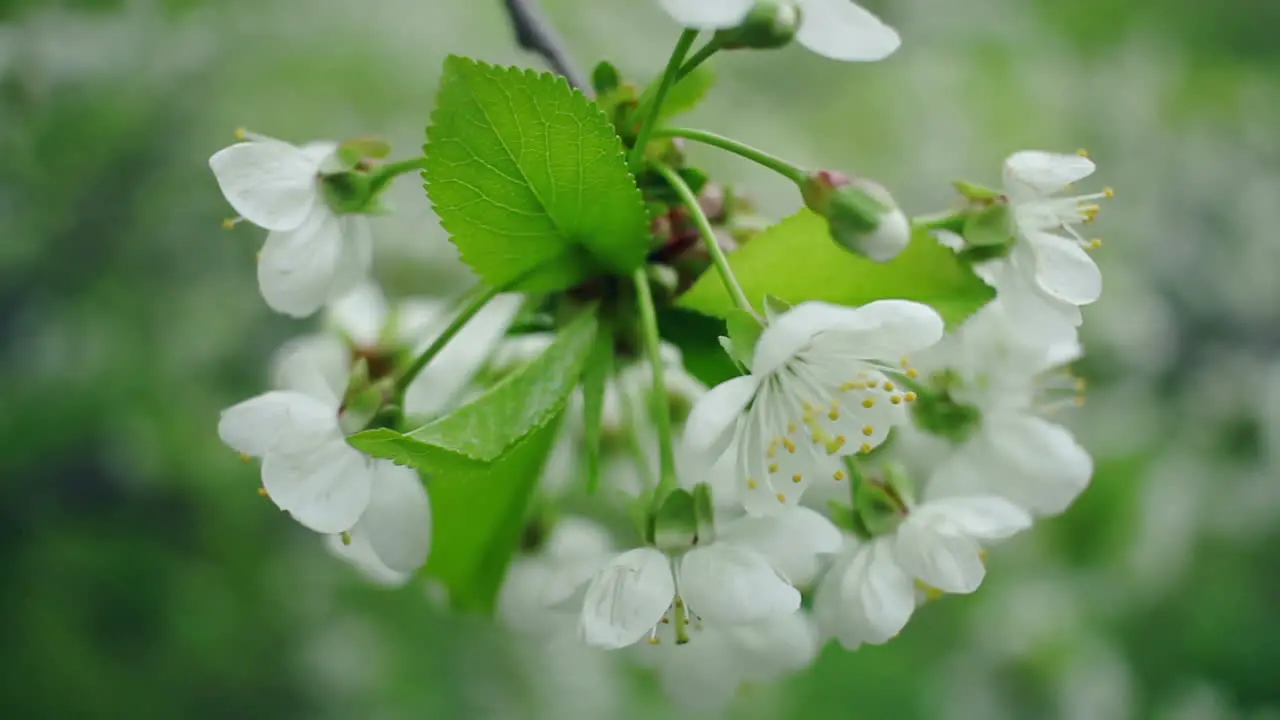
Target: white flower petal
x=866, y=598
x=360, y=555
x=272, y=184
x=793, y=331
x=727, y=584
x=316, y=365
x=844, y=30
x=1034, y=173
x=1030, y=461
x=775, y=646
x=627, y=598
x=796, y=541
x=297, y=268
x=360, y=314
x=710, y=425
x=982, y=517
x=1064, y=270
x=324, y=483
x=419, y=319
x=453, y=367
x=397, y=521
x=707, y=14
x=355, y=258
x=256, y=425
x=884, y=330
x=937, y=555
x=701, y=677
x=324, y=155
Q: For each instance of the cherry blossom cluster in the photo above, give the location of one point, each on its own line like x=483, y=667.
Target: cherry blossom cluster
x=856, y=469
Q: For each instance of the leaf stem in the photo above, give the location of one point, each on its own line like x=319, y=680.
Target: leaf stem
x=704, y=53
x=384, y=174
x=667, y=480
x=471, y=306
x=741, y=149
x=708, y=237
x=655, y=108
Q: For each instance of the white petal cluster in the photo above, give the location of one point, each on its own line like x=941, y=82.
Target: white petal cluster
x=836, y=29
x=376, y=513
x=313, y=254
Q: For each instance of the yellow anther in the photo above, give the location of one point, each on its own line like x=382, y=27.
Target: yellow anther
x=1082, y=153
x=871, y=384
x=791, y=427
x=781, y=498
x=752, y=484
x=913, y=373
x=888, y=386
x=910, y=396
x=263, y=492
x=666, y=620
x=839, y=475
x=834, y=415
x=244, y=458
x=229, y=223
x=868, y=430
x=241, y=134
x=1090, y=212
x=773, y=450
x=905, y=361
x=797, y=478
x=655, y=640
x=865, y=448
x=895, y=399
x=1095, y=243
x=257, y=257
x=847, y=386
x=869, y=403
x=790, y=446
x=773, y=467
x=1108, y=193
x=346, y=537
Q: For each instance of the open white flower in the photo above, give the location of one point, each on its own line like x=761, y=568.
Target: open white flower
x=746, y=575
x=837, y=29
x=1049, y=248
x=312, y=254
x=870, y=592
x=539, y=589
x=817, y=391
x=1011, y=450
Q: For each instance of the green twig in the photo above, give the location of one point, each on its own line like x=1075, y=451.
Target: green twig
x=655, y=108
x=760, y=157
x=667, y=481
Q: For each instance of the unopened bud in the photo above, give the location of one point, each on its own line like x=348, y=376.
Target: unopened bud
x=770, y=24
x=861, y=213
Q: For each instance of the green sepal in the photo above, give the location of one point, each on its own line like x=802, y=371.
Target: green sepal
x=775, y=306
x=937, y=412
x=769, y=25
x=975, y=192
x=878, y=509
x=605, y=78
x=991, y=226
x=704, y=510
x=675, y=524
x=353, y=151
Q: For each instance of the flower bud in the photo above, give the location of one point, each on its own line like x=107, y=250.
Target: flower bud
x=862, y=215
x=770, y=24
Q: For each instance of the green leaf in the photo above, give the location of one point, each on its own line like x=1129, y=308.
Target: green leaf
x=797, y=261
x=697, y=336
x=594, y=379
x=689, y=92
x=522, y=402
x=527, y=173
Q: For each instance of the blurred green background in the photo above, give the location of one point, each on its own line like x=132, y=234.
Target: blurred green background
x=145, y=578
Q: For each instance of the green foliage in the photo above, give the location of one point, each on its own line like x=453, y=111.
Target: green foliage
x=744, y=330
x=487, y=427
x=528, y=175
x=594, y=379
x=686, y=94
x=797, y=261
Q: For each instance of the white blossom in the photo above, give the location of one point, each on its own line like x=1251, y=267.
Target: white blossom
x=1049, y=249
x=869, y=593
x=817, y=391
x=312, y=254
x=1011, y=450
x=837, y=29
x=740, y=578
